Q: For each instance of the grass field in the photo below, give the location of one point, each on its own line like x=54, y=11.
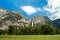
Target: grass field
x=29, y=37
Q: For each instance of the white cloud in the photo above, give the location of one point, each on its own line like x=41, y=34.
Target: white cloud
x=54, y=8
x=29, y=9
x=55, y=16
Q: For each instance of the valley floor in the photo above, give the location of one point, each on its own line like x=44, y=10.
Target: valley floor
x=29, y=37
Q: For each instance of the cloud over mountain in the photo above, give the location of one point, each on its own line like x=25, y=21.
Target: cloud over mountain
x=29, y=9
x=54, y=8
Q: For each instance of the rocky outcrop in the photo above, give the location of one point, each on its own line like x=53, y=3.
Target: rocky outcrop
x=15, y=18
x=9, y=18
x=41, y=20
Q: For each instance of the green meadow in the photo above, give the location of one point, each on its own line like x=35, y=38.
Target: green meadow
x=29, y=37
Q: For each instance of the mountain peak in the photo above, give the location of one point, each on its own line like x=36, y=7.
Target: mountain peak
x=15, y=18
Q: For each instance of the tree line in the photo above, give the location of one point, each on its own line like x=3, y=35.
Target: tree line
x=29, y=30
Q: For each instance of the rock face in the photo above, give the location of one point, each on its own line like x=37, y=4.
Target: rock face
x=15, y=18
x=41, y=20
x=9, y=18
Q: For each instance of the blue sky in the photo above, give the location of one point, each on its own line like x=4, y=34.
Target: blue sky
x=31, y=8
